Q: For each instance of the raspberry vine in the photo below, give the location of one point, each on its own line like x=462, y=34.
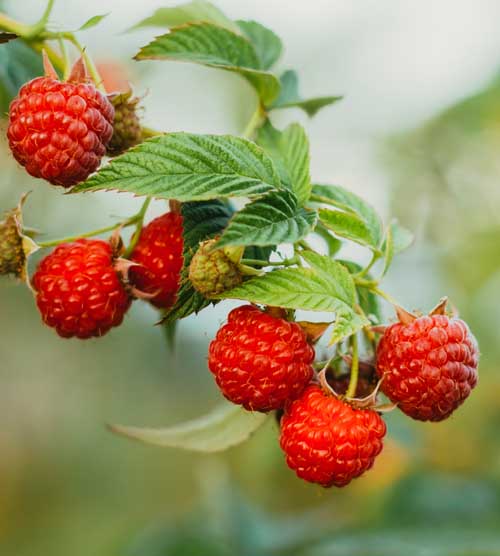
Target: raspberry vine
x=279, y=254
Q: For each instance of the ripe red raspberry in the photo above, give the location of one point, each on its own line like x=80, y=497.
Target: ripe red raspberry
x=260, y=361
x=429, y=365
x=78, y=292
x=327, y=441
x=59, y=131
x=159, y=254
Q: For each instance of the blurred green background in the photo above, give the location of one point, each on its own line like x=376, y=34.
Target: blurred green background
x=418, y=134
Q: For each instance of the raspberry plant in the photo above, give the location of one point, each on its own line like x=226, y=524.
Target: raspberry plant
x=279, y=253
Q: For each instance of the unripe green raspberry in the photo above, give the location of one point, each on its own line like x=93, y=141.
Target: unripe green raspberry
x=127, y=130
x=213, y=271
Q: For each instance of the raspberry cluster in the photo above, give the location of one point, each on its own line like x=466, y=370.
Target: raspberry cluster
x=427, y=366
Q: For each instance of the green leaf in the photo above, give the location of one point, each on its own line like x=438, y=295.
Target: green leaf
x=201, y=221
x=18, y=64
x=266, y=43
x=348, y=225
x=368, y=301
x=92, y=22
x=188, y=167
x=270, y=220
x=333, y=244
x=397, y=239
x=227, y=425
x=326, y=286
x=290, y=152
x=289, y=96
x=345, y=325
x=335, y=271
x=351, y=203
x=191, y=12
x=217, y=47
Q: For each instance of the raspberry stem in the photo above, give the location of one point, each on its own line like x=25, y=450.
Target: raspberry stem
x=139, y=223
x=256, y=262
x=136, y=219
x=353, y=382
x=255, y=122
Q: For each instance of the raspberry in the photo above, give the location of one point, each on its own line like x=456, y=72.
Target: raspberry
x=213, y=271
x=59, y=131
x=127, y=131
x=429, y=365
x=260, y=361
x=78, y=291
x=327, y=441
x=159, y=254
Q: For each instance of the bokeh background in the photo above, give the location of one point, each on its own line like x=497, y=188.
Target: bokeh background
x=418, y=134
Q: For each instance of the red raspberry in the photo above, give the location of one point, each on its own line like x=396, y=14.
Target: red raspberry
x=260, y=361
x=429, y=365
x=159, y=254
x=59, y=131
x=78, y=291
x=327, y=441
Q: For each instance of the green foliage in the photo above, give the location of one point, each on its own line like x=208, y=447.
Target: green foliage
x=214, y=46
x=289, y=96
x=397, y=239
x=364, y=225
x=92, y=22
x=18, y=64
x=189, y=167
x=201, y=221
x=226, y=426
x=192, y=12
x=289, y=150
x=267, y=44
x=270, y=220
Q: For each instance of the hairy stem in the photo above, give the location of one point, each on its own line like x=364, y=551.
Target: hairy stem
x=256, y=262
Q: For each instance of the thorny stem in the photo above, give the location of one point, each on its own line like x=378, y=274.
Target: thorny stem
x=138, y=227
x=353, y=381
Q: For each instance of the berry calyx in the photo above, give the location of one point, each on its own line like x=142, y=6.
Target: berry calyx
x=213, y=271
x=260, y=361
x=59, y=130
x=159, y=257
x=127, y=131
x=428, y=364
x=78, y=291
x=327, y=441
